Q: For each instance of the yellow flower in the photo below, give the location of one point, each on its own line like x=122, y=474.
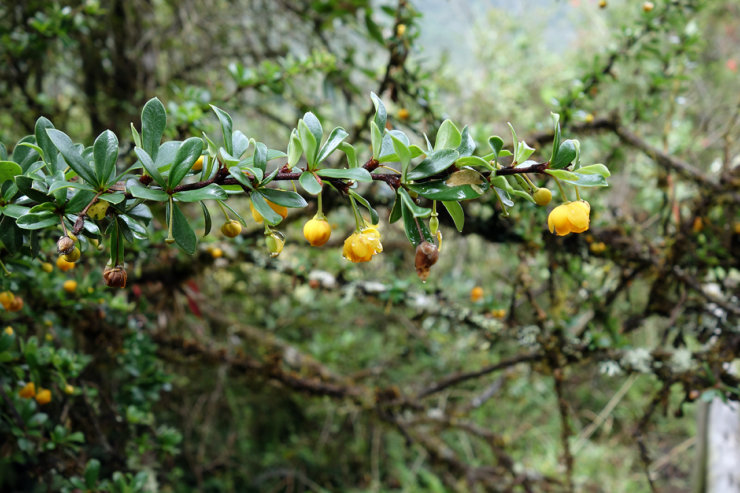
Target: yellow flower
x=70, y=286
x=317, y=231
x=476, y=294
x=6, y=299
x=9, y=330
x=361, y=246
x=28, y=391
x=572, y=217
x=64, y=265
x=44, y=396
x=198, y=164
x=280, y=209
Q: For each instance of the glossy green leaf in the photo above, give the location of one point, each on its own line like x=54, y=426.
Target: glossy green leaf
x=226, y=128
x=376, y=140
x=188, y=153
x=294, y=148
x=410, y=225
x=113, y=198
x=335, y=138
x=381, y=114
x=374, y=218
x=153, y=122
x=181, y=230
x=149, y=166
x=210, y=192
x=556, y=136
x=270, y=216
x=284, y=198
x=456, y=213
x=351, y=154
x=439, y=190
x=409, y=203
x=206, y=218
x=402, y=151
x=308, y=143
x=565, y=155
x=356, y=174
x=314, y=126
x=9, y=169
x=467, y=143
x=71, y=155
x=474, y=161
x=145, y=193
x=43, y=140
x=38, y=220
x=437, y=162
x=395, y=213
x=595, y=169
x=309, y=183
x=105, y=154
x=448, y=136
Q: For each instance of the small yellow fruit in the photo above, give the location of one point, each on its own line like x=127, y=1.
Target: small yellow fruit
x=43, y=396
x=47, y=267
x=28, y=391
x=602, y=4
x=216, y=252
x=9, y=330
x=73, y=256
x=16, y=305
x=542, y=196
x=6, y=299
x=403, y=114
x=648, y=6
x=282, y=210
x=64, y=265
x=70, y=286
x=400, y=30
x=317, y=231
x=231, y=228
x=698, y=225
x=98, y=209
x=68, y=389
x=198, y=164
x=476, y=294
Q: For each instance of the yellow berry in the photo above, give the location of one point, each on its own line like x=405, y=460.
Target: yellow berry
x=602, y=4
x=400, y=30
x=231, y=228
x=403, y=114
x=47, y=267
x=68, y=389
x=73, y=256
x=64, y=265
x=43, y=396
x=698, y=225
x=542, y=196
x=476, y=294
x=70, y=286
x=6, y=299
x=28, y=391
x=216, y=252
x=317, y=231
x=9, y=330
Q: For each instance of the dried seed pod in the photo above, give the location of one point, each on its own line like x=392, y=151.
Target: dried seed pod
x=65, y=245
x=426, y=256
x=115, y=277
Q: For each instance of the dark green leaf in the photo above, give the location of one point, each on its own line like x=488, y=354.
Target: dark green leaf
x=105, y=154
x=149, y=166
x=188, y=153
x=467, y=144
x=259, y=160
x=356, y=174
x=456, y=213
x=409, y=203
x=37, y=220
x=381, y=115
x=71, y=155
x=9, y=169
x=226, y=128
x=153, y=121
x=284, y=198
x=43, y=140
x=335, y=138
x=145, y=193
x=25, y=185
x=210, y=192
x=565, y=155
x=437, y=162
x=438, y=190
x=206, y=219
x=374, y=218
x=181, y=230
x=314, y=126
x=395, y=214
x=270, y=216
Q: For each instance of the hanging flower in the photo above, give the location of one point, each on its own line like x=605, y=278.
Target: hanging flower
x=360, y=246
x=572, y=217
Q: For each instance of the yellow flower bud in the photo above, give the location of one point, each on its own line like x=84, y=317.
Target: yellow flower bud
x=403, y=114
x=317, y=231
x=476, y=294
x=70, y=286
x=216, y=252
x=68, y=389
x=9, y=330
x=43, y=396
x=648, y=6
x=28, y=391
x=542, y=196
x=231, y=228
x=47, y=267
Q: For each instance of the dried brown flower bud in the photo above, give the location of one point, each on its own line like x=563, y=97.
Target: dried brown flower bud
x=65, y=245
x=426, y=256
x=115, y=277
x=145, y=179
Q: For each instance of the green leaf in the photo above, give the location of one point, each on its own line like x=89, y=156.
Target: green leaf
x=496, y=143
x=335, y=138
x=25, y=185
x=467, y=144
x=351, y=153
x=314, y=126
x=238, y=175
x=410, y=225
x=474, y=161
x=181, y=230
x=210, y=192
x=145, y=193
x=270, y=216
x=381, y=114
x=43, y=140
x=439, y=190
x=71, y=155
x=15, y=211
x=149, y=166
x=356, y=174
x=409, y=203
x=294, y=148
x=188, y=153
x=374, y=218
x=595, y=169
x=503, y=195
x=403, y=153
x=372, y=28
x=395, y=214
x=9, y=169
x=59, y=184
x=579, y=179
x=105, y=154
x=309, y=183
x=226, y=128
x=556, y=136
x=113, y=198
x=259, y=159
x=92, y=470
x=206, y=219
x=37, y=220
x=456, y=213
x=448, y=136
x=284, y=198
x=376, y=139
x=523, y=151
x=153, y=122
x=308, y=143
x=565, y=155
x=437, y=162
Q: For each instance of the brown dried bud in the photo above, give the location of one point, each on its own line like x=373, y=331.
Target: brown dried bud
x=115, y=277
x=426, y=256
x=65, y=245
x=145, y=179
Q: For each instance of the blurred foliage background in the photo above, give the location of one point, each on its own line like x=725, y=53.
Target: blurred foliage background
x=581, y=365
